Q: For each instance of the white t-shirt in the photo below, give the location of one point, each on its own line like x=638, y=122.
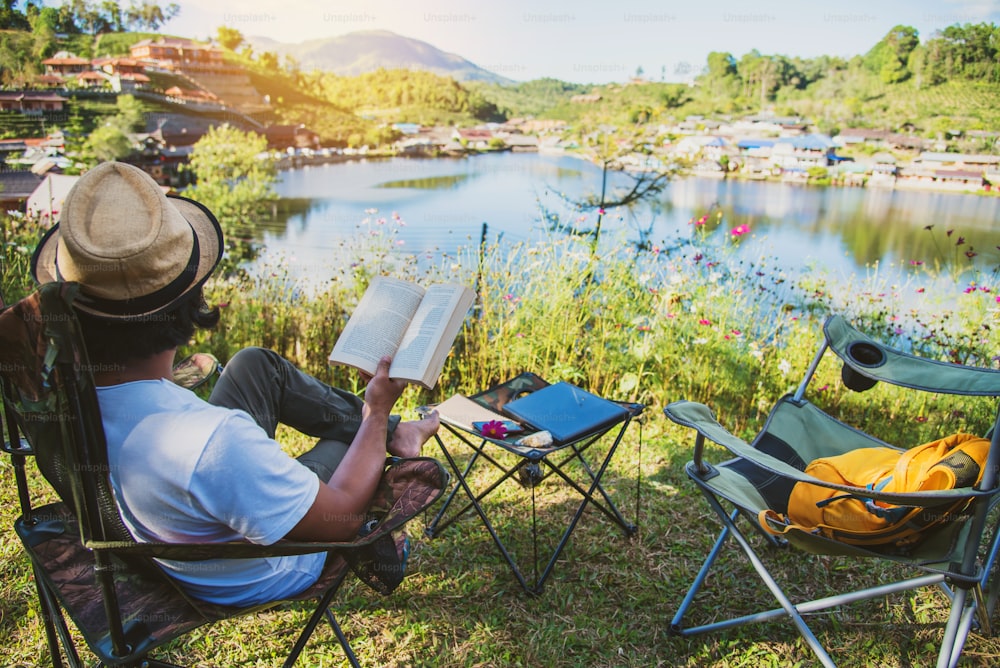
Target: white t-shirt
x=184, y=470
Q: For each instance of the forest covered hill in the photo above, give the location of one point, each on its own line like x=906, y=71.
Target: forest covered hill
x=937, y=85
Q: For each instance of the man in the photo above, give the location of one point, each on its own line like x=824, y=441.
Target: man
x=186, y=470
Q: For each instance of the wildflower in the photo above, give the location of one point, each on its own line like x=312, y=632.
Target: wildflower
x=970, y=254
x=700, y=342
x=740, y=230
x=784, y=366
x=494, y=429
x=961, y=240
x=705, y=321
x=824, y=388
x=371, y=212
x=916, y=263
x=601, y=211
x=920, y=418
x=920, y=290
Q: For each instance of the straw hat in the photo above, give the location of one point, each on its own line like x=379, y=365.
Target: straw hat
x=133, y=250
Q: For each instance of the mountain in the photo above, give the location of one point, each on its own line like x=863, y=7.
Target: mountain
x=367, y=50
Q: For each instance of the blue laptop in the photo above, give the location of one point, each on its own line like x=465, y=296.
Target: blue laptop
x=565, y=411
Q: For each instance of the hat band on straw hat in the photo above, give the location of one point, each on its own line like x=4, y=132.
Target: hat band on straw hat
x=144, y=304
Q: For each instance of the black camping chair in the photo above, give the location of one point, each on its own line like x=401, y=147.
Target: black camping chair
x=959, y=557
x=86, y=563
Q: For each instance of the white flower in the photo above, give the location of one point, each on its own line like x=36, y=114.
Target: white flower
x=784, y=366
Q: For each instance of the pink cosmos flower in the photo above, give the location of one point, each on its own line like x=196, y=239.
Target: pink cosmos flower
x=494, y=429
x=740, y=230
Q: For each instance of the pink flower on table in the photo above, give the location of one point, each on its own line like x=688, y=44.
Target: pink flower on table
x=494, y=429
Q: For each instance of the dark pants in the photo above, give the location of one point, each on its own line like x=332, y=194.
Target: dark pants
x=273, y=390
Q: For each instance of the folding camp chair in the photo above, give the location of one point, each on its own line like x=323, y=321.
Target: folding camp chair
x=959, y=557
x=86, y=563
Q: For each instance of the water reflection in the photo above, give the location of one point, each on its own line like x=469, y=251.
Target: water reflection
x=445, y=202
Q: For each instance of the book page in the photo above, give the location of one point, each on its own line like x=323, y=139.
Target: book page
x=378, y=324
x=461, y=411
x=431, y=333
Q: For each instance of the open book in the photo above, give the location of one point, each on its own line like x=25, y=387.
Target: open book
x=414, y=325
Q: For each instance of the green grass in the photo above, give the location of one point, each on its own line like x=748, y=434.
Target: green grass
x=653, y=326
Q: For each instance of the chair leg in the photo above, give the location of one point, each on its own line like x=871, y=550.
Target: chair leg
x=789, y=608
x=322, y=608
x=677, y=623
x=957, y=629
x=342, y=638
x=56, y=632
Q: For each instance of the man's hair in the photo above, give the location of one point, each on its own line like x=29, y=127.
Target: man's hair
x=115, y=341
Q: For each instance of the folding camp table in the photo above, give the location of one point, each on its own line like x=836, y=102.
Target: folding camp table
x=531, y=466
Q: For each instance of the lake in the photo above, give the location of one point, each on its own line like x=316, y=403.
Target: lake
x=444, y=203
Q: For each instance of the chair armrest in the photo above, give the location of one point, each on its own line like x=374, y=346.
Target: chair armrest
x=898, y=368
x=700, y=418
x=408, y=486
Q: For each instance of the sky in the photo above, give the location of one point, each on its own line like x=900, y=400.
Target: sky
x=591, y=42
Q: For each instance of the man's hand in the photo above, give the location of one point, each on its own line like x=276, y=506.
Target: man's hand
x=382, y=392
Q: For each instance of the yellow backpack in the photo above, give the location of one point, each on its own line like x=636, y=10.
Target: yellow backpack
x=947, y=463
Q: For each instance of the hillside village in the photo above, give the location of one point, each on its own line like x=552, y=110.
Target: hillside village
x=200, y=88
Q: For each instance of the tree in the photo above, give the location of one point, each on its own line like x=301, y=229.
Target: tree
x=609, y=149
x=150, y=16
x=235, y=182
x=108, y=142
x=10, y=17
x=131, y=114
x=43, y=27
x=113, y=13
x=889, y=57
x=268, y=61
x=229, y=38
x=721, y=78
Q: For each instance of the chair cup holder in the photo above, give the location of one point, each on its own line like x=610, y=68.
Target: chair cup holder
x=866, y=355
